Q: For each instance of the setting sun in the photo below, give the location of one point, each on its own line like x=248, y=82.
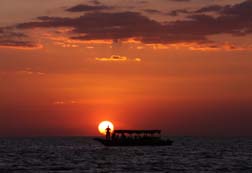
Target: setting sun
x=103, y=125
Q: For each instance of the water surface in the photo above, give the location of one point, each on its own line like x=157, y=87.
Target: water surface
x=82, y=154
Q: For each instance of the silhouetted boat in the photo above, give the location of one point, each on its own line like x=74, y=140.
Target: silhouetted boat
x=134, y=138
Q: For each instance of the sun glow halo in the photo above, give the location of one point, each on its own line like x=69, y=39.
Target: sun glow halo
x=103, y=125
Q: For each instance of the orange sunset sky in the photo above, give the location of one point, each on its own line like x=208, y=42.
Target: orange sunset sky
x=183, y=66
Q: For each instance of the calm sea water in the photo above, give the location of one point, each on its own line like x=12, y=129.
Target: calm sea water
x=80, y=154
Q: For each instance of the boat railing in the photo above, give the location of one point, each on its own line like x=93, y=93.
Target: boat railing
x=135, y=135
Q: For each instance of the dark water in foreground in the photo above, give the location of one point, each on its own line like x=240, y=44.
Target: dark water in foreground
x=79, y=154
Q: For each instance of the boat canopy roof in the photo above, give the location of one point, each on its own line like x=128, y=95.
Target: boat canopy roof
x=138, y=131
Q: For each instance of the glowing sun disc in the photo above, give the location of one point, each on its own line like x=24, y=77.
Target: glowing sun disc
x=103, y=125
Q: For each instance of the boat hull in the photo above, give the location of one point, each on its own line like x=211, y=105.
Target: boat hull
x=134, y=142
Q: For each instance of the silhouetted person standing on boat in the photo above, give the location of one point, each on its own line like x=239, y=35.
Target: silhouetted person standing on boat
x=108, y=133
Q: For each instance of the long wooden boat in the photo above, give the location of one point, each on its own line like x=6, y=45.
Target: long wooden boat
x=134, y=138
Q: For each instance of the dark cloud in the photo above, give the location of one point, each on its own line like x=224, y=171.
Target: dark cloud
x=236, y=19
x=152, y=11
x=16, y=43
x=212, y=8
x=196, y=27
x=102, y=25
x=10, y=38
x=8, y=33
x=83, y=7
x=241, y=9
x=96, y=26
x=178, y=12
